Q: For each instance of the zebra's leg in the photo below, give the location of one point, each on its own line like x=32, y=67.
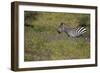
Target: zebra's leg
x=86, y=38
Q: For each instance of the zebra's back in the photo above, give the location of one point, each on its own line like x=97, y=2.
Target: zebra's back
x=75, y=32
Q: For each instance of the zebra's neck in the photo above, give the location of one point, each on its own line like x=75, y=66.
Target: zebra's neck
x=66, y=29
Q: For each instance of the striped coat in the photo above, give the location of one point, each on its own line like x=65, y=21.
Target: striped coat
x=71, y=32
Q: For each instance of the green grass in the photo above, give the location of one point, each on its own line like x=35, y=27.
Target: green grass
x=42, y=42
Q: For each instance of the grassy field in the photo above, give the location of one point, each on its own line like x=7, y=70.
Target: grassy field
x=42, y=41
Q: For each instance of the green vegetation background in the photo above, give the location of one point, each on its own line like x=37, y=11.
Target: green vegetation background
x=42, y=42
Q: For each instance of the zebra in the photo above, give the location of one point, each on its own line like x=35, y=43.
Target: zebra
x=71, y=32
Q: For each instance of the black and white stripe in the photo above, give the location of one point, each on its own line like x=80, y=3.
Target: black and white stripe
x=72, y=32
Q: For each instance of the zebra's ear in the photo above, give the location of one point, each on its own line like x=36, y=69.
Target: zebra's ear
x=61, y=23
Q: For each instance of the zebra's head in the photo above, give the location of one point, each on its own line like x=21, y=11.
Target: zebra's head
x=60, y=28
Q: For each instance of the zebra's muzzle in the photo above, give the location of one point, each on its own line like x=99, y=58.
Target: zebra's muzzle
x=59, y=32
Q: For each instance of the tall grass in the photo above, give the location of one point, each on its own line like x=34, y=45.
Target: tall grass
x=42, y=42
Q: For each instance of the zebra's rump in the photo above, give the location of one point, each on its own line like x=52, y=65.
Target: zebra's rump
x=76, y=31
